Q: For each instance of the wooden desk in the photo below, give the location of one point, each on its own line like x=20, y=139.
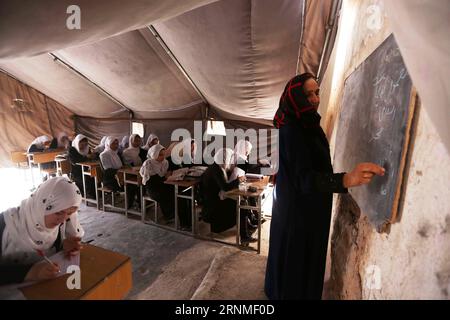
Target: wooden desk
x=63, y=166
x=132, y=176
x=19, y=158
x=40, y=158
x=104, y=275
x=90, y=169
x=236, y=194
x=188, y=184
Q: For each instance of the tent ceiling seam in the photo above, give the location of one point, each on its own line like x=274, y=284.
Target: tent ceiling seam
x=172, y=56
x=91, y=82
x=302, y=32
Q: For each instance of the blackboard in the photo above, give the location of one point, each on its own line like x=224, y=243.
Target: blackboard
x=374, y=126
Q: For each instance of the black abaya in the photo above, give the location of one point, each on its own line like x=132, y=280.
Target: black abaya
x=301, y=214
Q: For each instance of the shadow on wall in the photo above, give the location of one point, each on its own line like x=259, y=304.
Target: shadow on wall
x=349, y=243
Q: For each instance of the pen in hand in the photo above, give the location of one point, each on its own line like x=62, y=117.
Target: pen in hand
x=42, y=254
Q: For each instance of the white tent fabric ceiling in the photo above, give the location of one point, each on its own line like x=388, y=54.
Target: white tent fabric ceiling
x=239, y=54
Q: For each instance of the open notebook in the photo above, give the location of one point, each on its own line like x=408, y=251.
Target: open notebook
x=65, y=262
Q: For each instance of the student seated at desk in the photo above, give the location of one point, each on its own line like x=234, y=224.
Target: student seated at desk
x=151, y=141
x=111, y=163
x=101, y=147
x=61, y=141
x=124, y=143
x=185, y=159
x=241, y=153
x=134, y=155
x=79, y=152
x=217, y=210
x=154, y=172
x=46, y=221
x=40, y=144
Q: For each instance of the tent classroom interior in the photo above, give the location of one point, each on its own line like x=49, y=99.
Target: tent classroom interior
x=213, y=68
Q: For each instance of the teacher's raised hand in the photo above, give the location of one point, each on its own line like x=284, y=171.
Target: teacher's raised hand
x=362, y=174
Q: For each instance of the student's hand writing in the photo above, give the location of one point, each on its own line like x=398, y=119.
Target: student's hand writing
x=362, y=174
x=242, y=179
x=72, y=246
x=42, y=271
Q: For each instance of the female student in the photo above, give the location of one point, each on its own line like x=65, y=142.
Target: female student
x=40, y=144
x=124, y=143
x=79, y=152
x=134, y=155
x=101, y=147
x=185, y=153
x=151, y=141
x=61, y=141
x=46, y=221
x=303, y=195
x=111, y=162
x=241, y=153
x=154, y=172
x=218, y=211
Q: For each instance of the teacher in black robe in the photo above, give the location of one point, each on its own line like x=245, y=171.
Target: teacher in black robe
x=302, y=199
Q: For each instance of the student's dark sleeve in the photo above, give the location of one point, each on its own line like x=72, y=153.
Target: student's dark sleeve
x=13, y=273
x=143, y=154
x=219, y=178
x=34, y=148
x=75, y=157
x=54, y=144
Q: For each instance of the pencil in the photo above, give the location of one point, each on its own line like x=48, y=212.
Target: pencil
x=41, y=253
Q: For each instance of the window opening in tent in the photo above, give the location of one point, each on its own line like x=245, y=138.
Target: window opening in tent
x=215, y=128
x=137, y=128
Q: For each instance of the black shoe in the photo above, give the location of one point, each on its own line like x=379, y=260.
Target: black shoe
x=248, y=239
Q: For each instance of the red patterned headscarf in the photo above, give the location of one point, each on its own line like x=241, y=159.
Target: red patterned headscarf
x=294, y=106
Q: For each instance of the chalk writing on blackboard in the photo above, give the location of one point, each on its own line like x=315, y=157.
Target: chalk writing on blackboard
x=373, y=127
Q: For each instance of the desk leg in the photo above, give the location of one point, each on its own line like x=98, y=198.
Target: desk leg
x=96, y=193
x=238, y=221
x=141, y=200
x=176, y=207
x=84, y=185
x=194, y=220
x=259, y=224
x=32, y=176
x=126, y=195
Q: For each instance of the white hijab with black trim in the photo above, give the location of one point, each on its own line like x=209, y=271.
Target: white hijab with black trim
x=25, y=230
x=76, y=145
x=152, y=166
x=40, y=141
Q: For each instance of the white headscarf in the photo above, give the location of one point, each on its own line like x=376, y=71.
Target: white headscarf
x=131, y=154
x=25, y=230
x=39, y=141
x=152, y=166
x=223, y=158
x=59, y=137
x=151, y=137
x=179, y=155
x=241, y=151
x=76, y=145
x=101, y=147
x=109, y=158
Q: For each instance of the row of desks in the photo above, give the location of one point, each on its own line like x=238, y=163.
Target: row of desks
x=184, y=189
x=40, y=158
